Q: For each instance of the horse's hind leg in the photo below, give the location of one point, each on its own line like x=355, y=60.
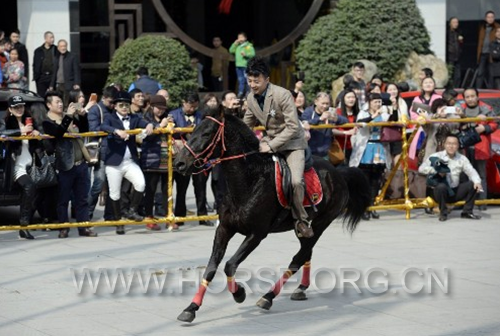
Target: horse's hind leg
x=222, y=238
x=249, y=244
x=302, y=258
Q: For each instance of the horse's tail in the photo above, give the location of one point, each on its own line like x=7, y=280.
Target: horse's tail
x=359, y=196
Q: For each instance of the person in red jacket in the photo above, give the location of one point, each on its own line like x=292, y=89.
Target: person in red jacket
x=480, y=152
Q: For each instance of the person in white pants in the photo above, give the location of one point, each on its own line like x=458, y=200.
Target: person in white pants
x=121, y=160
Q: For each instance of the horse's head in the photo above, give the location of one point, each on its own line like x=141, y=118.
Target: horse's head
x=206, y=142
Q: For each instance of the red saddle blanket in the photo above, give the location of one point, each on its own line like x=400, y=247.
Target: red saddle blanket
x=314, y=192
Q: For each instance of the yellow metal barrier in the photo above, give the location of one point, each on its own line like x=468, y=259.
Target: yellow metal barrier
x=405, y=204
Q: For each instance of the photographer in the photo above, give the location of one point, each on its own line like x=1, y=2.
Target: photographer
x=443, y=170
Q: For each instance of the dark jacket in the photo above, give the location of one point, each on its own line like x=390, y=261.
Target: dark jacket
x=146, y=84
x=94, y=116
x=180, y=119
x=495, y=58
x=23, y=57
x=453, y=48
x=151, y=147
x=321, y=139
x=117, y=146
x=39, y=56
x=65, y=156
x=71, y=70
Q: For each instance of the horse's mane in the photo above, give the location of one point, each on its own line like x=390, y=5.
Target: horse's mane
x=236, y=128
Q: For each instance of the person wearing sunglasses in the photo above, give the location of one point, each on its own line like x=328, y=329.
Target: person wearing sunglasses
x=121, y=159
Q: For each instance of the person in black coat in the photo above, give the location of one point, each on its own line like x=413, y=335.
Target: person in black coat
x=22, y=51
x=121, y=158
x=71, y=161
x=495, y=60
x=66, y=76
x=44, y=62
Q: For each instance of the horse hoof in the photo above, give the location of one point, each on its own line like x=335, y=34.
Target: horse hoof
x=186, y=316
x=298, y=295
x=240, y=294
x=264, y=303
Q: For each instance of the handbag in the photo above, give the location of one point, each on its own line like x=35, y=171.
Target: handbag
x=335, y=153
x=45, y=175
x=390, y=134
x=468, y=137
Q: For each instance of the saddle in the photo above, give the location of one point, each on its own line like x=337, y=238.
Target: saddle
x=313, y=192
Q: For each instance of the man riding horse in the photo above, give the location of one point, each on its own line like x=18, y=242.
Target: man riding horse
x=272, y=106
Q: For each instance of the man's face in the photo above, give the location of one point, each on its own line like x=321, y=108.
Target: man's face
x=230, y=101
x=189, y=108
x=62, y=47
x=454, y=23
x=138, y=99
x=123, y=108
x=258, y=84
x=358, y=73
x=49, y=39
x=56, y=105
x=322, y=104
x=451, y=146
x=14, y=37
x=107, y=101
x=471, y=98
x=216, y=42
x=490, y=18
x=164, y=93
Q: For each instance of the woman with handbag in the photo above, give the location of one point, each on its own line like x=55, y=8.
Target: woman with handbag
x=19, y=122
x=398, y=110
x=349, y=109
x=368, y=153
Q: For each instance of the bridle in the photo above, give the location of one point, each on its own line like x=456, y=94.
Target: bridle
x=202, y=160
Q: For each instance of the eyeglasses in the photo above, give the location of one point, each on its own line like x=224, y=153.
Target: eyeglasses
x=123, y=105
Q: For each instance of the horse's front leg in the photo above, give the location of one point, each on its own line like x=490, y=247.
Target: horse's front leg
x=248, y=245
x=222, y=238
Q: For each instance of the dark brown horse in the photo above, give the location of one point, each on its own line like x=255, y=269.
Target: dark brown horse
x=251, y=208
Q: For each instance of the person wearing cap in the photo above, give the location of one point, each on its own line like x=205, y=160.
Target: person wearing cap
x=71, y=161
x=22, y=152
x=121, y=159
x=154, y=158
x=444, y=168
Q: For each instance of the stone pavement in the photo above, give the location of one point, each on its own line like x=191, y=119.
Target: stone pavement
x=38, y=295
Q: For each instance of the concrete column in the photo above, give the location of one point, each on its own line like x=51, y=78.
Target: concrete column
x=434, y=14
x=35, y=17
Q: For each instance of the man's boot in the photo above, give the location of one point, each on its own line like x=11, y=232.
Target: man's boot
x=303, y=229
x=135, y=201
x=117, y=213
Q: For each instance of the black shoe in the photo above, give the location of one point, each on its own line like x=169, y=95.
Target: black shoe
x=429, y=211
x=86, y=233
x=375, y=215
x=64, y=233
x=207, y=223
x=133, y=215
x=120, y=230
x=443, y=218
x=366, y=215
x=469, y=215
x=25, y=234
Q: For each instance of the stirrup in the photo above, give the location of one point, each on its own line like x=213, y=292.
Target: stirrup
x=303, y=230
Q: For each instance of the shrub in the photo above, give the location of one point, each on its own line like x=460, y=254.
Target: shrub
x=384, y=32
x=166, y=59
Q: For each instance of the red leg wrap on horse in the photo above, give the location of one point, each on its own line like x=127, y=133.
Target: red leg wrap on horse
x=198, y=298
x=281, y=282
x=231, y=285
x=306, y=274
